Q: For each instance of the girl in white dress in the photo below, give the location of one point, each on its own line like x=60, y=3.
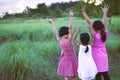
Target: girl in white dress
x=86, y=65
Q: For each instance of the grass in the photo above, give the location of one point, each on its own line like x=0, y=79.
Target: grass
x=29, y=50
x=22, y=59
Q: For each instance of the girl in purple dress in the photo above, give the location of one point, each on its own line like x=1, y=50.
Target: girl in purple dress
x=67, y=66
x=99, y=33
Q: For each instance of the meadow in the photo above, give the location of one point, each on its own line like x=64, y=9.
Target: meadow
x=29, y=50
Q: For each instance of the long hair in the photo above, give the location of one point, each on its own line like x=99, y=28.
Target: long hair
x=98, y=25
x=84, y=38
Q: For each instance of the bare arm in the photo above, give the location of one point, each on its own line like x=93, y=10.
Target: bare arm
x=105, y=9
x=54, y=29
x=87, y=20
x=70, y=24
x=85, y=15
x=75, y=35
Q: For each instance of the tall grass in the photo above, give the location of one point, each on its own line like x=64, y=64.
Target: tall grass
x=29, y=50
x=24, y=60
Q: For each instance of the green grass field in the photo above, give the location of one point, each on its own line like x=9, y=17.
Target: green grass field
x=29, y=51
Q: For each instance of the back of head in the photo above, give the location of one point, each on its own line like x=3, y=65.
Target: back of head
x=63, y=31
x=99, y=26
x=84, y=38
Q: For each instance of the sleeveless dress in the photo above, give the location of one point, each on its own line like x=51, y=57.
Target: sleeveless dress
x=67, y=65
x=86, y=65
x=99, y=52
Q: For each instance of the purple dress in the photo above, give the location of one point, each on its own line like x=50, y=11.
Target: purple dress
x=68, y=61
x=99, y=52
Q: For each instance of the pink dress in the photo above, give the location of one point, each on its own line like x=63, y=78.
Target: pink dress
x=68, y=61
x=99, y=52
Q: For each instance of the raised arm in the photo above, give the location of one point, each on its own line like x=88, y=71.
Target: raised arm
x=54, y=29
x=85, y=15
x=70, y=24
x=87, y=20
x=75, y=35
x=105, y=10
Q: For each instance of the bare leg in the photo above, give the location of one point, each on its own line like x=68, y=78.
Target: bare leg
x=98, y=76
x=105, y=76
x=73, y=77
x=66, y=78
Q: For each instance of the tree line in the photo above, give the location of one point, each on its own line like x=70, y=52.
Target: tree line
x=61, y=10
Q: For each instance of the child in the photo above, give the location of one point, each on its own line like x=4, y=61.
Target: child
x=67, y=66
x=86, y=65
x=99, y=33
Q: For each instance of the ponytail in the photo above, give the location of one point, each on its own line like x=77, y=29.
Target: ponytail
x=99, y=26
x=103, y=36
x=86, y=49
x=84, y=38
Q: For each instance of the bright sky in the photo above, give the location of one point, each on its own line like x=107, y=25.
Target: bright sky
x=13, y=6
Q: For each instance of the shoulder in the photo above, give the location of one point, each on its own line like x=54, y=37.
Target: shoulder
x=89, y=46
x=95, y=32
x=80, y=45
x=69, y=40
x=106, y=32
x=59, y=41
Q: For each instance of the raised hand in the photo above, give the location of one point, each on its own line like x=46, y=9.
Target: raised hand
x=105, y=8
x=50, y=21
x=54, y=28
x=71, y=13
x=83, y=8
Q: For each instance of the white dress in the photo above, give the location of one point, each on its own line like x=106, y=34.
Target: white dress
x=86, y=65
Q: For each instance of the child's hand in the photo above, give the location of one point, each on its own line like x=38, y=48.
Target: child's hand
x=105, y=8
x=78, y=29
x=83, y=8
x=71, y=13
x=50, y=21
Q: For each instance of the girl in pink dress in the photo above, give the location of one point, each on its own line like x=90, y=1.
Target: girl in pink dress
x=99, y=33
x=67, y=66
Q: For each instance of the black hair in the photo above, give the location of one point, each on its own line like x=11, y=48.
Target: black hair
x=98, y=25
x=84, y=38
x=63, y=31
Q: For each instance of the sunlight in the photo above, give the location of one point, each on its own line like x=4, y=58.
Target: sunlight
x=20, y=5
x=96, y=2
x=91, y=1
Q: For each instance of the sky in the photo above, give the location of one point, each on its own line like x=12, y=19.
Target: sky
x=16, y=6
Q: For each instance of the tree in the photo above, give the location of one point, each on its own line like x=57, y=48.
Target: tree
x=57, y=12
x=114, y=6
x=7, y=15
x=77, y=8
x=43, y=10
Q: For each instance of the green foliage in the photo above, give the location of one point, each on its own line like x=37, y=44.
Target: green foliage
x=23, y=60
x=42, y=9
x=114, y=26
x=59, y=9
x=91, y=9
x=114, y=7
x=57, y=12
